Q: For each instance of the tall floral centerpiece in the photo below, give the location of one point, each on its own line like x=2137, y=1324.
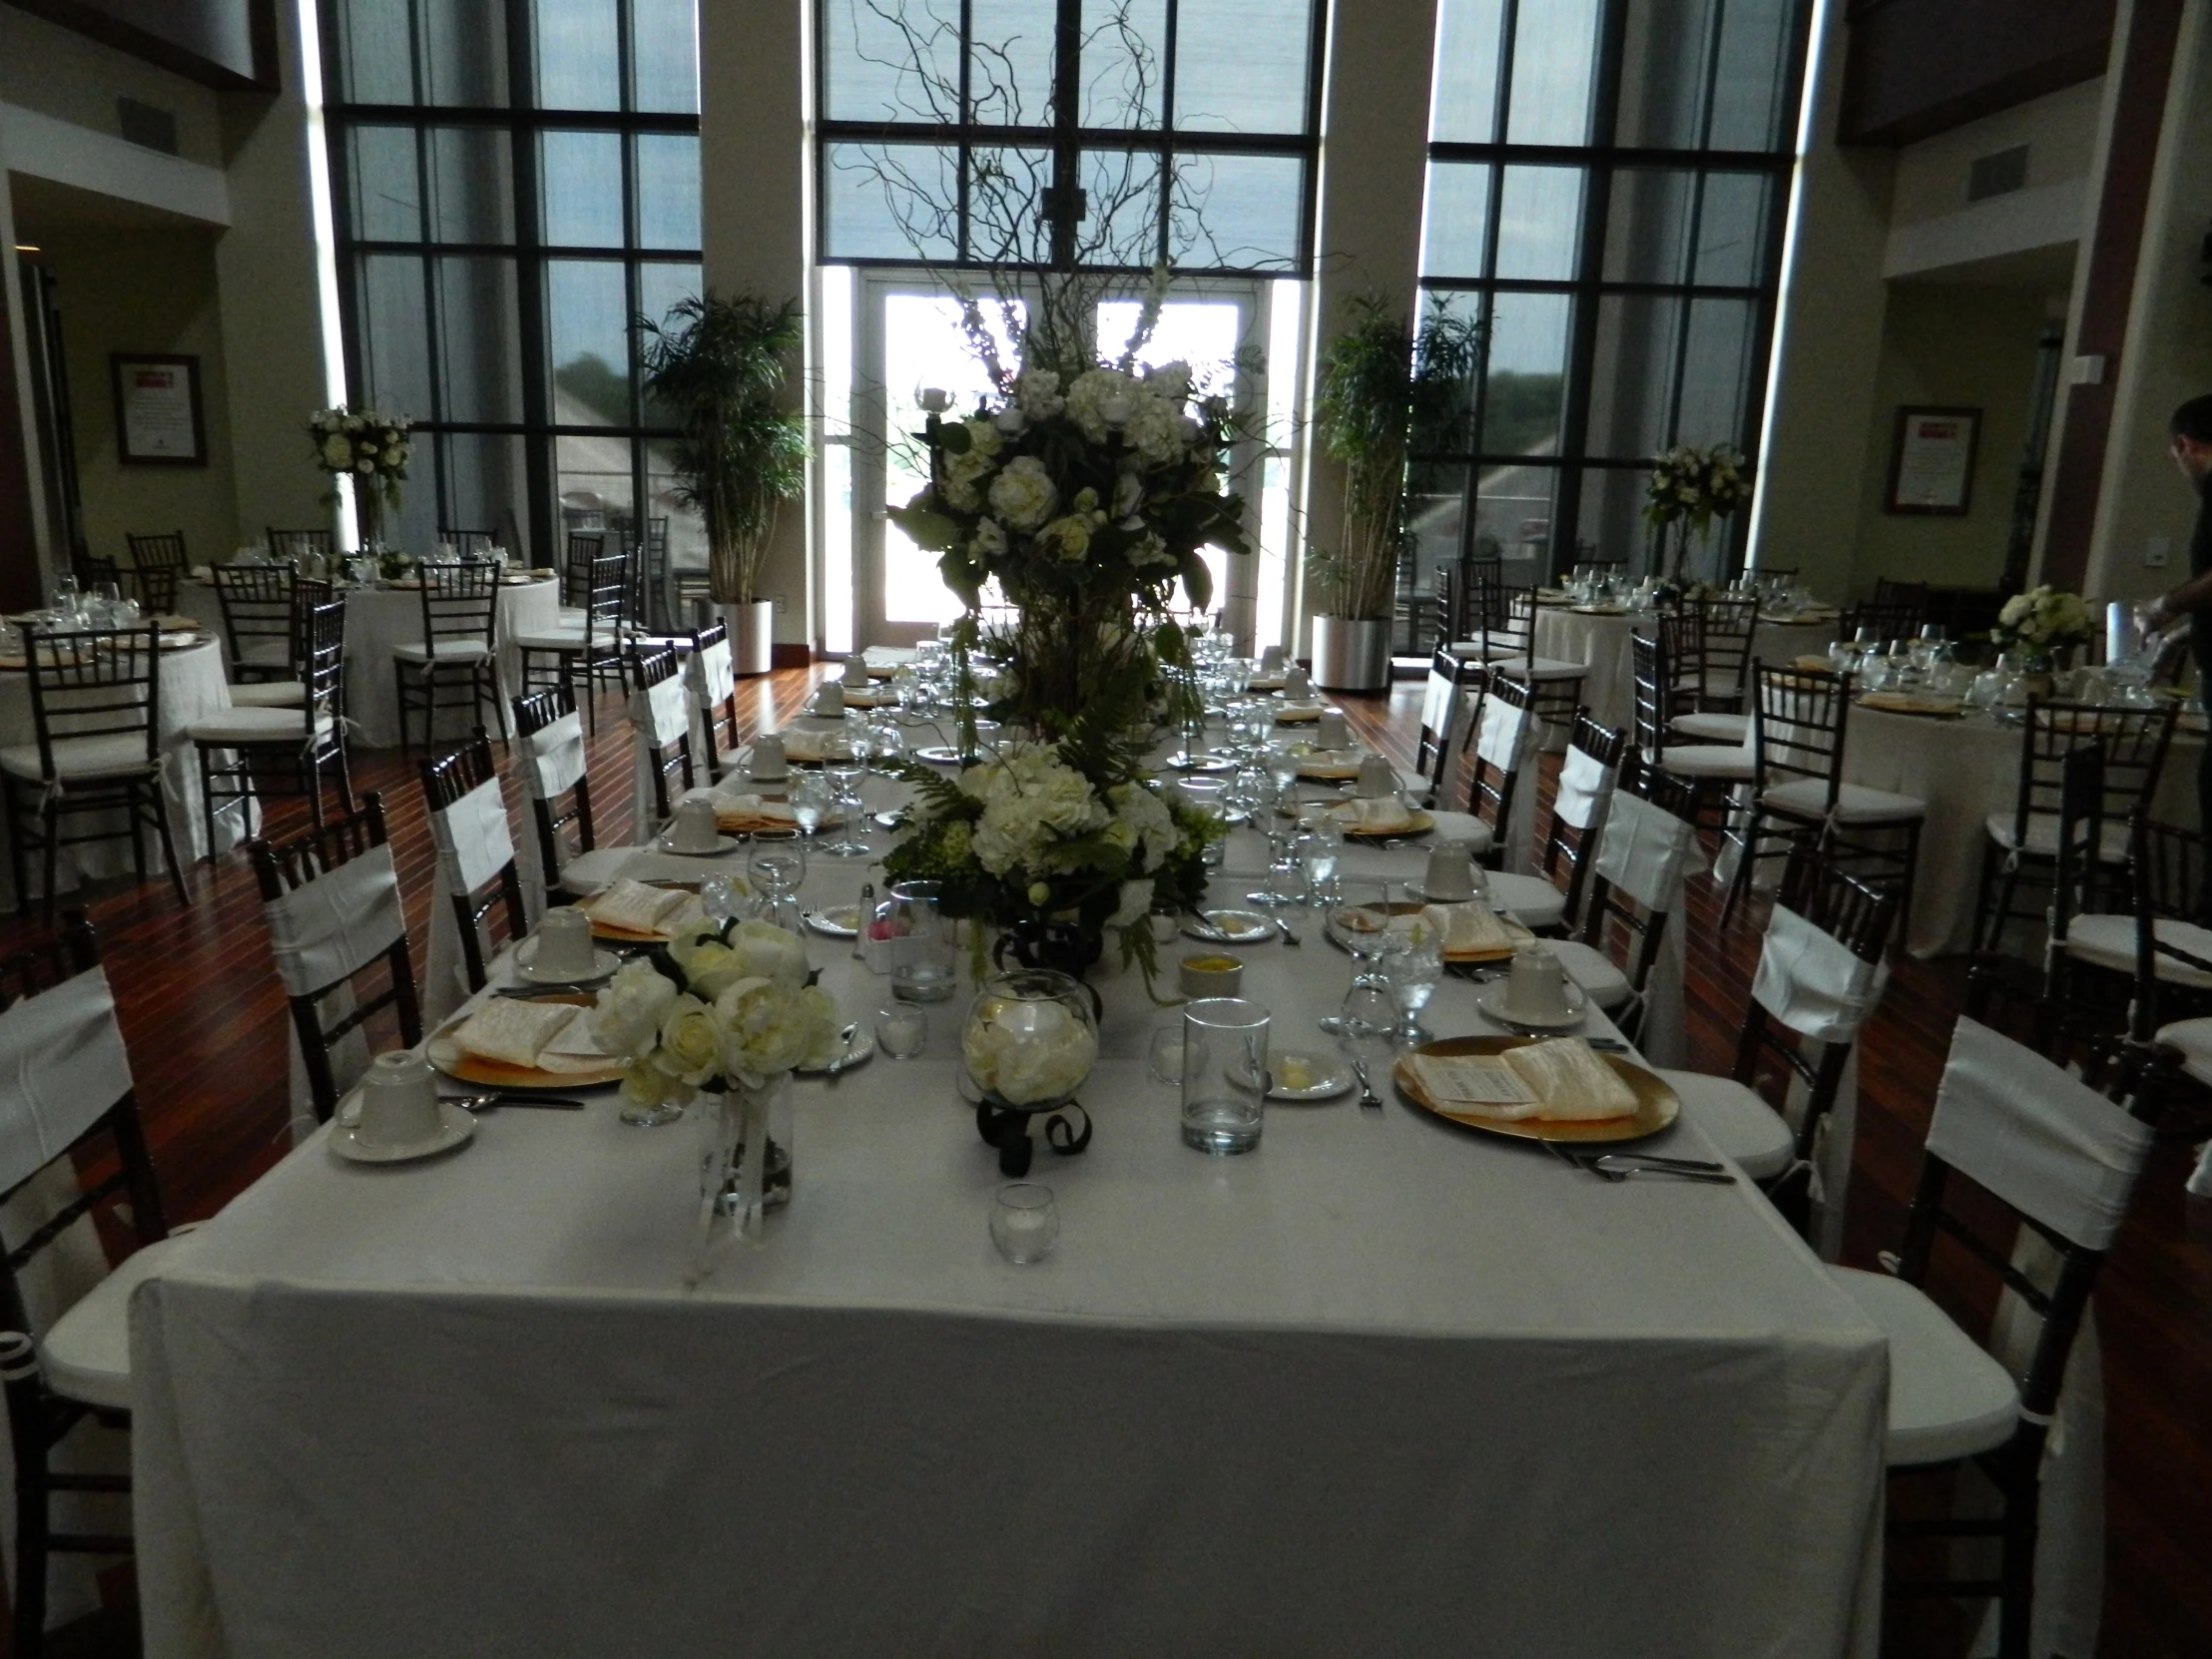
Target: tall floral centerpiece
x=1687, y=490
x=723, y=1014
x=371, y=448
x=2040, y=623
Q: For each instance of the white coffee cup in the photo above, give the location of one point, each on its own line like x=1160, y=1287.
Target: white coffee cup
x=1377, y=779
x=856, y=673
x=829, y=700
x=1331, y=732
x=1449, y=879
x=1296, y=683
x=693, y=830
x=768, y=757
x=399, y=1101
x=1537, y=989
x=565, y=950
x=1270, y=659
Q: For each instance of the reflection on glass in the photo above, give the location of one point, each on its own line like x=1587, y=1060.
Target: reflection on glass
x=1757, y=37
x=582, y=189
x=667, y=190
x=579, y=56
x=1716, y=373
x=1241, y=68
x=485, y=480
x=394, y=349
x=587, y=315
x=1633, y=375
x=1513, y=520
x=1526, y=371
x=1554, y=52
x=472, y=185
x=477, y=331
x=1539, y=223
x=1663, y=52
x=1463, y=108
x=592, y=478
x=663, y=55
x=668, y=515
x=1124, y=58
x=1243, y=212
x=1612, y=522
x=387, y=206
x=1456, y=218
x=1647, y=229
x=463, y=45
x=869, y=214
x=1732, y=230
x=372, y=48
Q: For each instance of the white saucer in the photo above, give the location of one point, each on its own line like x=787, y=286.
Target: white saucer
x=826, y=921
x=1332, y=1078
x=1230, y=927
x=603, y=965
x=858, y=1049
x=458, y=1126
x=1491, y=1000
x=722, y=843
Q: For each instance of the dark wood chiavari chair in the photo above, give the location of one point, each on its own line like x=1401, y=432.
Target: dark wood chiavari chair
x=460, y=619
x=1588, y=776
x=445, y=780
x=582, y=659
x=557, y=802
x=248, y=752
x=294, y=544
x=667, y=746
x=712, y=665
x=256, y=606
x=156, y=564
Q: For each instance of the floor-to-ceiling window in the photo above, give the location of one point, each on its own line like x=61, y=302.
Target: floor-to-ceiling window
x=1607, y=185
x=516, y=180
x=1013, y=137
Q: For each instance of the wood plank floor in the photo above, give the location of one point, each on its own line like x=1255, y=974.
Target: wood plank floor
x=205, y=1022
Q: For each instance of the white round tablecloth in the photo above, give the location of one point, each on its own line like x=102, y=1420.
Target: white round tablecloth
x=192, y=689
x=377, y=618
x=1601, y=642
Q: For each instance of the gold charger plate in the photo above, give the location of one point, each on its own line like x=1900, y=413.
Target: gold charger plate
x=1897, y=702
x=1421, y=825
x=446, y=1056
x=1504, y=953
x=1328, y=772
x=1656, y=1104
x=1297, y=714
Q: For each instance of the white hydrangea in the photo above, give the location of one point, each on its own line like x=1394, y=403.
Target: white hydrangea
x=1147, y=814
x=1100, y=400
x=1027, y=1052
x=1023, y=494
x=1155, y=430
x=1037, y=394
x=1128, y=494
x=1170, y=380
x=1031, y=801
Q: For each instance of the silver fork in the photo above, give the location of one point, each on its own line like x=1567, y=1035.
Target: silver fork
x=1369, y=1099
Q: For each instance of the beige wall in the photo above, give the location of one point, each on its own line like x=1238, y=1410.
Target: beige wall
x=130, y=289
x=1961, y=347
x=61, y=73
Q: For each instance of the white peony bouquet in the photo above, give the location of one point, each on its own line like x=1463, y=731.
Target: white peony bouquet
x=727, y=1007
x=2042, y=619
x=369, y=447
x=1028, y=1051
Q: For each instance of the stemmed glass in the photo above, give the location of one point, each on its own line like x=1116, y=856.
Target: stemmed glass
x=777, y=867
x=810, y=801
x=1320, y=845
x=845, y=762
x=1283, y=872
x=1359, y=923
x=1412, y=965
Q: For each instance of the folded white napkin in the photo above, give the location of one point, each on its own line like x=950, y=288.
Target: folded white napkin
x=748, y=809
x=574, y=1049
x=638, y=907
x=1562, y=1079
x=1381, y=812
x=803, y=744
x=515, y=1031
x=1470, y=925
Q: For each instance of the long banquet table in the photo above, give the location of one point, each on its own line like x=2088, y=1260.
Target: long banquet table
x=1384, y=1385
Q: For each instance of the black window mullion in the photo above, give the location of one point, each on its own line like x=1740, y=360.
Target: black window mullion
x=1168, y=146
x=535, y=345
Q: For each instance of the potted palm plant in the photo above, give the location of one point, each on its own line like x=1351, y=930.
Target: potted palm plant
x=715, y=368
x=1386, y=392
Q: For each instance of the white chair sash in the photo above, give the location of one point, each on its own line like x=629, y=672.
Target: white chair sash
x=475, y=843
x=1811, y=983
x=1585, y=788
x=712, y=674
x=2041, y=1140
x=338, y=923
x=1503, y=734
x=662, y=711
x=64, y=1064
x=1646, y=852
x=554, y=758
x=1439, y=702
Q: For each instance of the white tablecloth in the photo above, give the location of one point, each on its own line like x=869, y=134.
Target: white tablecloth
x=1383, y=1385
x=1609, y=687
x=377, y=618
x=192, y=689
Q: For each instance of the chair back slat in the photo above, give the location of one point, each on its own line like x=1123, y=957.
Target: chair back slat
x=1726, y=625
x=1587, y=778
x=292, y=544
x=584, y=549
x=94, y=682
x=156, y=561
x=1799, y=727
x=256, y=606
x=460, y=604
x=713, y=667
x=659, y=711
x=1497, y=744
x=468, y=544
x=2134, y=744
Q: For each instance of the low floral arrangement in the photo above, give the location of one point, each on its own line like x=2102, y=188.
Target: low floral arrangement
x=2042, y=619
x=369, y=447
x=1059, y=841
x=725, y=1007
x=1690, y=487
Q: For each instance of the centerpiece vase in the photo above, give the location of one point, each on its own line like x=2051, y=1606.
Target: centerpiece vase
x=745, y=1163
x=368, y=513
x=1067, y=948
x=1028, y=1044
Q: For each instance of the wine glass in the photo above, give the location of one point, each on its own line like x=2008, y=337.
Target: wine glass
x=1413, y=965
x=1320, y=845
x=845, y=762
x=1360, y=923
x=777, y=867
x=810, y=801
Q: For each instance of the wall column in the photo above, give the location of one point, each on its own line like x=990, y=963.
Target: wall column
x=1374, y=169
x=23, y=528
x=755, y=74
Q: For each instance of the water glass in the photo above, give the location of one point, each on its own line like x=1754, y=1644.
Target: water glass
x=922, y=945
x=1413, y=968
x=845, y=762
x=1025, y=1223
x=901, y=1032
x=721, y=897
x=1225, y=1074
x=1321, y=846
x=810, y=801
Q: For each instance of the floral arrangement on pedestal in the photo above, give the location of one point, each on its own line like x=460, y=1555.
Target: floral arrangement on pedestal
x=1690, y=487
x=2042, y=621
x=372, y=449
x=724, y=1011
x=1085, y=498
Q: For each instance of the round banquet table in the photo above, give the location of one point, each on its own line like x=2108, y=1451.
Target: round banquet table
x=191, y=687
x=1600, y=640
x=377, y=618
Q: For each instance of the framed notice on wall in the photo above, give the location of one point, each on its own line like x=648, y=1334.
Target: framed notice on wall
x=1932, y=462
x=157, y=410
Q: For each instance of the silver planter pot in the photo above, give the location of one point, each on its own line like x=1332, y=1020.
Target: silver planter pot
x=752, y=634
x=1351, y=656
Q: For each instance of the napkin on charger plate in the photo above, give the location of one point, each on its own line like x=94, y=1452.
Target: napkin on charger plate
x=1375, y=813
x=1561, y=1079
x=736, y=812
x=513, y=1030
x=1469, y=928
x=638, y=908
x=802, y=745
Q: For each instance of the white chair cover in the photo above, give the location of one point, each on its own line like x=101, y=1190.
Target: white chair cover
x=1648, y=853
x=2043, y=1141
x=1585, y=790
x=64, y=1063
x=659, y=715
x=1507, y=739
x=552, y=764
x=475, y=845
x=713, y=675
x=320, y=934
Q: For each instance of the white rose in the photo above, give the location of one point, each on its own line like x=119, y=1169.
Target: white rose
x=1028, y=1052
x=990, y=539
x=337, y=454
x=1023, y=496
x=983, y=438
x=691, y=1041
x=1070, y=537
x=769, y=952
x=768, y=1028
x=1010, y=420
x=1135, y=905
x=627, y=1017
x=646, y=1087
